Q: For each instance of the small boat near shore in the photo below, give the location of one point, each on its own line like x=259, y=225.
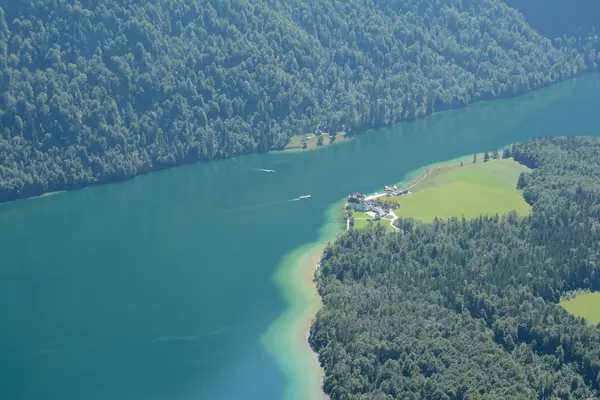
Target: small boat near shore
x=307, y=196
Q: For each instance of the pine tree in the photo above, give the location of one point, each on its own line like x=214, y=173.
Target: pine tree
x=486, y=157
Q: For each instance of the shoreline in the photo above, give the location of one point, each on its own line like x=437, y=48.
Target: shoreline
x=287, y=338
x=416, y=176
x=47, y=194
x=338, y=141
x=156, y=168
x=180, y=163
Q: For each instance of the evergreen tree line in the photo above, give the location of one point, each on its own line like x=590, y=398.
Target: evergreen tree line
x=99, y=90
x=468, y=309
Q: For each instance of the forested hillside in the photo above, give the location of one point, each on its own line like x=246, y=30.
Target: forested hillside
x=468, y=309
x=99, y=90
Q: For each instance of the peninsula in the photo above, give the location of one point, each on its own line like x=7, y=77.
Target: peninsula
x=416, y=314
x=481, y=184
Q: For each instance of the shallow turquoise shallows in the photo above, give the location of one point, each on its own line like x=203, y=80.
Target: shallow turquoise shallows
x=160, y=288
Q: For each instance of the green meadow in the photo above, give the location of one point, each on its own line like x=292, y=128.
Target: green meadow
x=365, y=223
x=586, y=305
x=296, y=142
x=360, y=215
x=363, y=220
x=470, y=190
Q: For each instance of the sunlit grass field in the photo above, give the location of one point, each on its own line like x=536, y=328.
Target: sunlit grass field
x=295, y=143
x=470, y=190
x=365, y=223
x=586, y=305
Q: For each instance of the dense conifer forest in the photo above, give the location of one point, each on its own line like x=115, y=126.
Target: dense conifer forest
x=468, y=309
x=99, y=90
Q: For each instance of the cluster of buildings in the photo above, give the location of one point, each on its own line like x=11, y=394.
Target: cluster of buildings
x=359, y=202
x=362, y=203
x=395, y=191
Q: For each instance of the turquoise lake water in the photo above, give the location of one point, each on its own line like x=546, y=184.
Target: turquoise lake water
x=160, y=288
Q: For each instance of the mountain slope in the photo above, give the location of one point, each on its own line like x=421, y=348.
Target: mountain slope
x=97, y=90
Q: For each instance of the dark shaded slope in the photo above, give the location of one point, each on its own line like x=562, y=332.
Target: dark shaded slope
x=560, y=18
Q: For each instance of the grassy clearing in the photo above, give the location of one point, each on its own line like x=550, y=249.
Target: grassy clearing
x=470, y=190
x=361, y=215
x=361, y=223
x=365, y=223
x=363, y=220
x=586, y=305
x=311, y=143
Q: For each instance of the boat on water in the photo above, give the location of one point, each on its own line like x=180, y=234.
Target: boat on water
x=307, y=196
